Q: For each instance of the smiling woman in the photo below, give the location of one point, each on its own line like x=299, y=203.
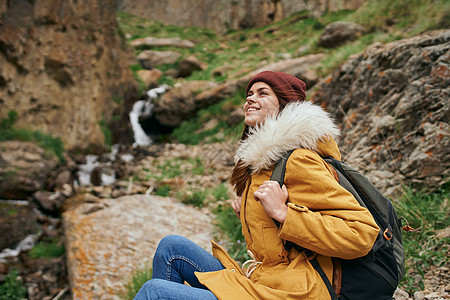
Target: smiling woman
x=311, y=209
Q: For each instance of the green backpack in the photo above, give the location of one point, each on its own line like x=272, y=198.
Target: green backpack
x=377, y=274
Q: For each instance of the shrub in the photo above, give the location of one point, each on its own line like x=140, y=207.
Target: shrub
x=12, y=288
x=195, y=197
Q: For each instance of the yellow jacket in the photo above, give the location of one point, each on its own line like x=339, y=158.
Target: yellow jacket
x=322, y=216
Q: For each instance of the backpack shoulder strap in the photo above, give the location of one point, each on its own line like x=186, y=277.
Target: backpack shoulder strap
x=278, y=174
x=280, y=169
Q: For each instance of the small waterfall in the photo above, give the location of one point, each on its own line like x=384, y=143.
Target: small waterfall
x=85, y=170
x=99, y=170
x=104, y=169
x=144, y=108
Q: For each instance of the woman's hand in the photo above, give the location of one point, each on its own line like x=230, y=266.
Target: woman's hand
x=236, y=205
x=273, y=199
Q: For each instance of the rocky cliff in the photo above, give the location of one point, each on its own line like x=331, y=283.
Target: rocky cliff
x=64, y=68
x=392, y=102
x=223, y=15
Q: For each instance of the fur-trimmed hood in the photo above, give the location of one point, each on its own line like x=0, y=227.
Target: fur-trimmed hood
x=298, y=125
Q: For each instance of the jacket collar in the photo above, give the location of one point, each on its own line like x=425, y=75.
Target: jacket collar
x=299, y=125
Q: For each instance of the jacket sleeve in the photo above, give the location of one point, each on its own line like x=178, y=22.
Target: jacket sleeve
x=322, y=215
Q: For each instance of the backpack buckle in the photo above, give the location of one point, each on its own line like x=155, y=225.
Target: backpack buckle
x=388, y=234
x=310, y=255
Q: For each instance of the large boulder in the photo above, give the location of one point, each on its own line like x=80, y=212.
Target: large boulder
x=189, y=65
x=391, y=102
x=24, y=169
x=180, y=102
x=64, y=68
x=338, y=33
x=104, y=245
x=149, y=59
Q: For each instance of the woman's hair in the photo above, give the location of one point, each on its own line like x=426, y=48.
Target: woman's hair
x=241, y=173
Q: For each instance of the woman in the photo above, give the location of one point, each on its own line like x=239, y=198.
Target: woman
x=312, y=209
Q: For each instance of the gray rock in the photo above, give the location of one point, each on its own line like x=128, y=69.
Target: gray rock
x=180, y=102
x=338, y=33
x=419, y=295
x=159, y=42
x=64, y=177
x=401, y=294
x=49, y=202
x=391, y=102
x=149, y=59
x=189, y=65
x=24, y=169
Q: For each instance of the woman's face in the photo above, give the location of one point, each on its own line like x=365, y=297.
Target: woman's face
x=261, y=102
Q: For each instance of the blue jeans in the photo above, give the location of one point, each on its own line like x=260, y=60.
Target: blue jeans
x=175, y=261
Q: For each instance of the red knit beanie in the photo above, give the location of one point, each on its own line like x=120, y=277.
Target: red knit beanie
x=285, y=82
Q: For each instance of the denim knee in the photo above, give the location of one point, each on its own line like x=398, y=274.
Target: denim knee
x=168, y=244
x=170, y=240
x=152, y=289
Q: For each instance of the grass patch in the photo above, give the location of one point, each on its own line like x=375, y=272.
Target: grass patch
x=138, y=278
x=53, y=146
x=47, y=249
x=172, y=168
x=163, y=191
x=190, y=133
x=424, y=249
x=194, y=196
x=12, y=287
x=228, y=225
x=220, y=192
x=231, y=229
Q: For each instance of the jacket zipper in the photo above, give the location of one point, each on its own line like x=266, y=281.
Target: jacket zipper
x=244, y=217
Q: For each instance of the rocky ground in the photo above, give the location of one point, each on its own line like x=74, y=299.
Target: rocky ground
x=49, y=278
